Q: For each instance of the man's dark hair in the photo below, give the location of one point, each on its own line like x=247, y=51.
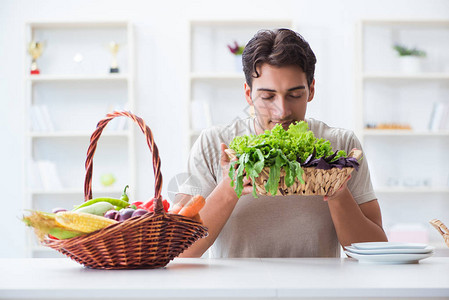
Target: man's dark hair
x=280, y=48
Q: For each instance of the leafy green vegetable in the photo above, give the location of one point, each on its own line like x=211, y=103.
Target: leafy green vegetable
x=277, y=149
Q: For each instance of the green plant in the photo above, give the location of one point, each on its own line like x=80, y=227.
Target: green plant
x=236, y=49
x=290, y=149
x=404, y=51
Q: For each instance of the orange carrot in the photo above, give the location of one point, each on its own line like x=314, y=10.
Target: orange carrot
x=197, y=218
x=193, y=206
x=176, y=208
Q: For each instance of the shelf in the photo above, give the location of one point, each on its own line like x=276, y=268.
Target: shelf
x=400, y=132
x=399, y=76
x=77, y=191
x=407, y=22
x=70, y=134
x=75, y=77
x=405, y=190
x=64, y=104
x=242, y=22
x=82, y=24
x=217, y=76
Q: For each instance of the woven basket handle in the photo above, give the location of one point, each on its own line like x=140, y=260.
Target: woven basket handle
x=150, y=141
x=442, y=229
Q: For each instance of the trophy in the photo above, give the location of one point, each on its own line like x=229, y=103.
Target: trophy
x=35, y=50
x=114, y=47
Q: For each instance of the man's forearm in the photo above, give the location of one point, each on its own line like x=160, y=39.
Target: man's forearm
x=350, y=222
x=215, y=214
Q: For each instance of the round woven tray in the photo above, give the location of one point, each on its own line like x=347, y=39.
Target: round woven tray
x=149, y=241
x=316, y=181
x=442, y=229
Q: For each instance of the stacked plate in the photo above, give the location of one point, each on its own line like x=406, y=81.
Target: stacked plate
x=389, y=252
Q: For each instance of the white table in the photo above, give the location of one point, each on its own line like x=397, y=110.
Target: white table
x=293, y=278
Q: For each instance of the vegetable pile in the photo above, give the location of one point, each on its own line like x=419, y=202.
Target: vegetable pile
x=99, y=213
x=291, y=149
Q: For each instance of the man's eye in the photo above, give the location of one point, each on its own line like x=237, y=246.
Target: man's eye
x=296, y=96
x=266, y=97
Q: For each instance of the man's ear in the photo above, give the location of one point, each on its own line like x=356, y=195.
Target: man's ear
x=248, y=98
x=311, y=91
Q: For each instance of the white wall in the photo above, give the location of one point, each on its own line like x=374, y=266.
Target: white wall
x=161, y=41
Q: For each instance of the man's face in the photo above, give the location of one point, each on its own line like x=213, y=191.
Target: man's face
x=279, y=96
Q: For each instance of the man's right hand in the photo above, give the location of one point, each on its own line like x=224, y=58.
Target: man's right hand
x=225, y=162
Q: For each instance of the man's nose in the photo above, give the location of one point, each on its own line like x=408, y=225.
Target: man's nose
x=282, y=108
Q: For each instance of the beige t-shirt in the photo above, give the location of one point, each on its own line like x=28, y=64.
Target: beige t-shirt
x=273, y=226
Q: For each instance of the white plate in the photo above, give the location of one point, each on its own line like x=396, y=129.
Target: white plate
x=390, y=251
x=389, y=258
x=388, y=245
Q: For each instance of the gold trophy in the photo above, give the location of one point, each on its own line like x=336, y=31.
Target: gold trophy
x=35, y=50
x=114, y=47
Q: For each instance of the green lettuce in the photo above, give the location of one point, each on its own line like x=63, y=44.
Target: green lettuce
x=277, y=149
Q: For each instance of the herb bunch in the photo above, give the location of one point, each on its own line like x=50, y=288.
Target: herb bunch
x=290, y=149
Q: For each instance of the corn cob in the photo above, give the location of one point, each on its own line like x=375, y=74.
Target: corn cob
x=45, y=223
x=83, y=222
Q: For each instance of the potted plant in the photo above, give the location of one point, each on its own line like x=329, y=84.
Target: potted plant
x=237, y=51
x=410, y=58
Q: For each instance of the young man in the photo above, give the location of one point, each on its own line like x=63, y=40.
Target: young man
x=279, y=69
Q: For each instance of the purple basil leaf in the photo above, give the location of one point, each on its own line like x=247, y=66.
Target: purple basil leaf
x=308, y=159
x=311, y=163
x=352, y=162
x=331, y=157
x=339, y=163
x=322, y=164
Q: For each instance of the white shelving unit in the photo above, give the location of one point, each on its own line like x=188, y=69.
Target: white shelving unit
x=215, y=81
x=76, y=94
x=404, y=133
x=410, y=170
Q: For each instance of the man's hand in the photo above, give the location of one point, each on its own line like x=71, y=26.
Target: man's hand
x=225, y=165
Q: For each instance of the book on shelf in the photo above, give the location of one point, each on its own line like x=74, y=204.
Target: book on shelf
x=201, y=116
x=439, y=119
x=40, y=118
x=34, y=178
x=48, y=174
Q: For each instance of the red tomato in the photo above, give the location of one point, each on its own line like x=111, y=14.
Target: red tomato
x=166, y=205
x=149, y=205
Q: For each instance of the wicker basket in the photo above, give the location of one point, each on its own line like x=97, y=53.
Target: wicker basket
x=149, y=241
x=442, y=229
x=316, y=181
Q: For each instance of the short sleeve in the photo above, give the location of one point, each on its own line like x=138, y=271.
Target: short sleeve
x=360, y=183
x=202, y=177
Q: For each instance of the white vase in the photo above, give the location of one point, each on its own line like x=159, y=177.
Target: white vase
x=410, y=64
x=238, y=63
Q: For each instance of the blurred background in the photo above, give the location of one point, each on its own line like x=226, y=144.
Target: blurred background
x=382, y=71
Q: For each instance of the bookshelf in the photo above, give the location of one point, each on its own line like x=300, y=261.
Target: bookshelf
x=77, y=77
x=62, y=107
x=409, y=167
